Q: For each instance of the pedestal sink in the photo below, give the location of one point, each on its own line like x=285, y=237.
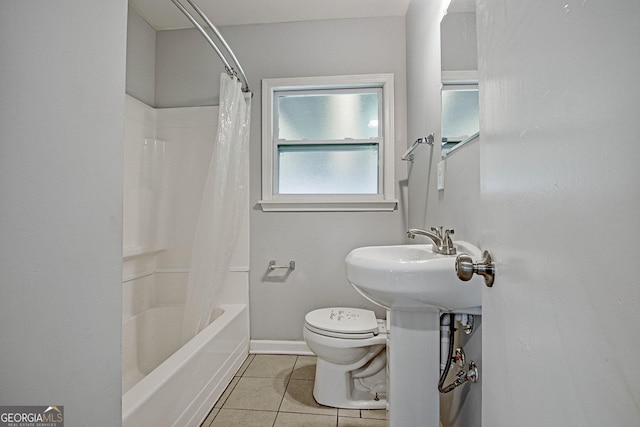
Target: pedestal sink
x=413, y=277
x=415, y=284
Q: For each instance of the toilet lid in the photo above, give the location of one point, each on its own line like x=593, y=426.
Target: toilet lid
x=343, y=320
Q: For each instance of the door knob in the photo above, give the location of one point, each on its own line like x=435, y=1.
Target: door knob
x=465, y=268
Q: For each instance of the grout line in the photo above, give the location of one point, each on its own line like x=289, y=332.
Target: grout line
x=283, y=395
x=287, y=384
x=240, y=374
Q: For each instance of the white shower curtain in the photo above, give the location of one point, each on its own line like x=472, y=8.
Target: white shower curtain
x=222, y=208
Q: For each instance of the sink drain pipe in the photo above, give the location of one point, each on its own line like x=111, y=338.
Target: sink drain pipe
x=446, y=349
x=447, y=331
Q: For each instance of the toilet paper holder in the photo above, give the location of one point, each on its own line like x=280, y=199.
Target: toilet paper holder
x=272, y=265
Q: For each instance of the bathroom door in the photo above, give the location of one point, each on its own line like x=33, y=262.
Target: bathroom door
x=560, y=192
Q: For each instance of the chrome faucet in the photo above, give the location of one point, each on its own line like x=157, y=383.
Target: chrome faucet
x=441, y=239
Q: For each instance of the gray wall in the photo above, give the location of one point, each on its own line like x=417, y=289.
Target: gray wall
x=141, y=59
x=61, y=134
x=187, y=75
x=459, y=42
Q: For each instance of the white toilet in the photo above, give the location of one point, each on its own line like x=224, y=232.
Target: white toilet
x=351, y=347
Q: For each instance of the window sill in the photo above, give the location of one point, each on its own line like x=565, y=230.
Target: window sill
x=328, y=206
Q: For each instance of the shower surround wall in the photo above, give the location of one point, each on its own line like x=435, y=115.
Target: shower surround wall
x=167, y=154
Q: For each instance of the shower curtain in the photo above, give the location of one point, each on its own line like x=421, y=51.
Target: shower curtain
x=222, y=208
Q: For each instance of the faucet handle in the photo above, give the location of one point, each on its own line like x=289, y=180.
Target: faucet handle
x=447, y=235
x=447, y=244
x=437, y=231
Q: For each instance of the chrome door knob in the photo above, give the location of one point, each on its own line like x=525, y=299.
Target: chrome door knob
x=466, y=268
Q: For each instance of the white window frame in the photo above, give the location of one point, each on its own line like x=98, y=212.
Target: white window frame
x=383, y=201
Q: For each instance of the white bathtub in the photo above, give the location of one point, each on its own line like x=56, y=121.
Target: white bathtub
x=164, y=385
x=180, y=390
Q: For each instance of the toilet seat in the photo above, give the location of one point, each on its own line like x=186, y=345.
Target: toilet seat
x=342, y=322
x=332, y=334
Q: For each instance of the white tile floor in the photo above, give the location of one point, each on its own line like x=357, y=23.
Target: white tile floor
x=276, y=391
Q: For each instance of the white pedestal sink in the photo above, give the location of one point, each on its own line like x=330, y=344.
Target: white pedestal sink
x=415, y=284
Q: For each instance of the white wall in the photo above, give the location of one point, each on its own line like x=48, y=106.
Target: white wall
x=318, y=242
x=143, y=176
x=61, y=130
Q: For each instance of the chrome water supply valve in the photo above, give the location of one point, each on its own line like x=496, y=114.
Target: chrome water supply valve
x=459, y=357
x=465, y=268
x=472, y=373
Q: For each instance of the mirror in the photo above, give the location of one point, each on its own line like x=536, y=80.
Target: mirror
x=460, y=119
x=459, y=56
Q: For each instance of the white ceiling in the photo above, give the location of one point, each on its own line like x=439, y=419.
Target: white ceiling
x=163, y=14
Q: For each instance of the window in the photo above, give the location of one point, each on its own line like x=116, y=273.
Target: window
x=327, y=144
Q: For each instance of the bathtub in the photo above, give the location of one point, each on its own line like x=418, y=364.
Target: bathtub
x=164, y=385
x=180, y=390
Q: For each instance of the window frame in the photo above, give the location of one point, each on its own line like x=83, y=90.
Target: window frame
x=384, y=200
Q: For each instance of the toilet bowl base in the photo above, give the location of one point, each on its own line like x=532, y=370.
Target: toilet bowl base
x=335, y=387
x=354, y=402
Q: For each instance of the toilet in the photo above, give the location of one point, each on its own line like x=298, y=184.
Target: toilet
x=350, y=344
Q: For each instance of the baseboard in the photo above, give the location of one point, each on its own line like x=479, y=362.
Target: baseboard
x=279, y=347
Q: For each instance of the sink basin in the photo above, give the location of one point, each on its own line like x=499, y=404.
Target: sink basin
x=413, y=277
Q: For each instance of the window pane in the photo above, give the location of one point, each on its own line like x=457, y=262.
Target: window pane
x=328, y=116
x=328, y=169
x=459, y=114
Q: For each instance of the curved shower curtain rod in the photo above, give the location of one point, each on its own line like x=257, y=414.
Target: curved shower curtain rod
x=227, y=66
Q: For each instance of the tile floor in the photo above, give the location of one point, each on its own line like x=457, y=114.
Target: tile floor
x=276, y=391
